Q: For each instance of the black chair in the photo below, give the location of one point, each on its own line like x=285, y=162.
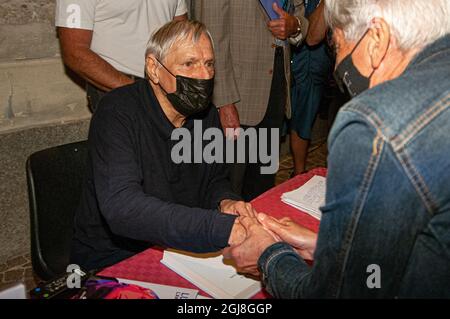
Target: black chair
x=54, y=178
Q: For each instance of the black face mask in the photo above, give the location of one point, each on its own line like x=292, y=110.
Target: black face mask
x=192, y=95
x=347, y=76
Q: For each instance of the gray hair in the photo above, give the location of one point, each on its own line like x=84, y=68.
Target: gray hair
x=172, y=33
x=414, y=23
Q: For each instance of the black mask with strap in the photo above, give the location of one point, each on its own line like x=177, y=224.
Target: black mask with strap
x=192, y=96
x=349, y=78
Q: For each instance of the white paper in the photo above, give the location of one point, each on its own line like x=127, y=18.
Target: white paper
x=212, y=274
x=15, y=292
x=309, y=197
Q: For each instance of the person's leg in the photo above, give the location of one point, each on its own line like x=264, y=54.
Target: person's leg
x=311, y=70
x=299, y=150
x=301, y=131
x=303, y=113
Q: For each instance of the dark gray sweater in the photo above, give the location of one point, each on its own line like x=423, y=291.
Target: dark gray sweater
x=135, y=196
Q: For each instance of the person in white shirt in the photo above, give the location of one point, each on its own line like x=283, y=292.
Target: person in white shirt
x=104, y=41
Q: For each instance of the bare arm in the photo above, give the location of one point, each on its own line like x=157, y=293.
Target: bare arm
x=317, y=26
x=181, y=17
x=77, y=55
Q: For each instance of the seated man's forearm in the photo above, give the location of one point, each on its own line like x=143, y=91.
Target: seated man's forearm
x=137, y=216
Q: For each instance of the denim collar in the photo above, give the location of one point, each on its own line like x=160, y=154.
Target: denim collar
x=438, y=47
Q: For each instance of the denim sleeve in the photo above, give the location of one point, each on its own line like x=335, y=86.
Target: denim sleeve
x=283, y=270
x=351, y=149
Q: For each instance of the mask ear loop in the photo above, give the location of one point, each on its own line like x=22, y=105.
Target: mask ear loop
x=357, y=43
x=167, y=71
x=165, y=68
x=354, y=49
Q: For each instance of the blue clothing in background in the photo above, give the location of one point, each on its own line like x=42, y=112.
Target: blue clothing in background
x=311, y=67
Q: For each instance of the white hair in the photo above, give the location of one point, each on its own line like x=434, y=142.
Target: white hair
x=175, y=32
x=414, y=23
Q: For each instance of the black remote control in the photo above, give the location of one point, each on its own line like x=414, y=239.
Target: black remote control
x=58, y=287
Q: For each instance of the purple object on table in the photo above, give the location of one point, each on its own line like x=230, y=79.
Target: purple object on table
x=267, y=5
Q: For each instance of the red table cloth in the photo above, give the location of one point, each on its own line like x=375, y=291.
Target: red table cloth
x=146, y=266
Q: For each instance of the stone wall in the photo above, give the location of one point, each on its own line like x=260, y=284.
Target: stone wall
x=35, y=88
x=41, y=105
x=27, y=29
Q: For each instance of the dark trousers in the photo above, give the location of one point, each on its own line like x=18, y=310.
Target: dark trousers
x=246, y=179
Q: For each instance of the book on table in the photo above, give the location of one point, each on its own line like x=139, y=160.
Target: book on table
x=211, y=273
x=309, y=197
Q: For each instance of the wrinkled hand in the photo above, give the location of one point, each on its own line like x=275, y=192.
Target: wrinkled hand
x=285, y=26
x=238, y=234
x=229, y=118
x=239, y=208
x=301, y=239
x=247, y=253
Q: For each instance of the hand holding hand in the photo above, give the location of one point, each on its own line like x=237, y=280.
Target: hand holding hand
x=238, y=208
x=238, y=234
x=301, y=239
x=247, y=253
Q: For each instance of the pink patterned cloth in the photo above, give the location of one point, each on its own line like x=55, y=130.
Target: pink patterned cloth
x=146, y=266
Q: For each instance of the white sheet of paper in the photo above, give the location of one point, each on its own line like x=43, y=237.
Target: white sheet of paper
x=212, y=274
x=309, y=197
x=16, y=291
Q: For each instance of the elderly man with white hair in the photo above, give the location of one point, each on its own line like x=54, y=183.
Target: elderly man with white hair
x=136, y=195
x=385, y=228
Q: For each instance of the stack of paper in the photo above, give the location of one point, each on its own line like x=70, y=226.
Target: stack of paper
x=212, y=274
x=308, y=198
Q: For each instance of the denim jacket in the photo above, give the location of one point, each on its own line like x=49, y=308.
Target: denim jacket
x=385, y=228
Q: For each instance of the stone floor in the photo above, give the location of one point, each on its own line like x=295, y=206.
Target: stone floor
x=317, y=157
x=18, y=269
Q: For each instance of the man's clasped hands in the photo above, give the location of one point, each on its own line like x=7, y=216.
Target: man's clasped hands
x=254, y=232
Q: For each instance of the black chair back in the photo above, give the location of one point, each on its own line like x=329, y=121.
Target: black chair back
x=55, y=177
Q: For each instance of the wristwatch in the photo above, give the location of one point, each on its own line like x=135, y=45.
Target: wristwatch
x=297, y=38
x=299, y=28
